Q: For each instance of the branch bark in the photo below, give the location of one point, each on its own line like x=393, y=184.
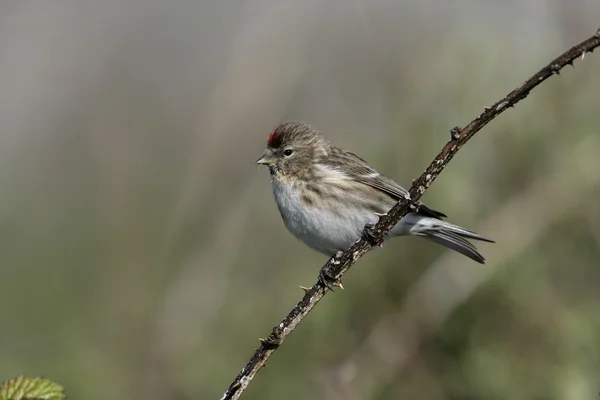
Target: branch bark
x=338, y=265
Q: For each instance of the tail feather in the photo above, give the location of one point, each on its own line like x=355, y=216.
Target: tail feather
x=455, y=237
x=446, y=226
x=441, y=232
x=457, y=243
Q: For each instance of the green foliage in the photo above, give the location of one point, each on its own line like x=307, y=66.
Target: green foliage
x=22, y=388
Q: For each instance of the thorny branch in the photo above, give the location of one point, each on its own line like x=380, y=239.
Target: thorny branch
x=337, y=266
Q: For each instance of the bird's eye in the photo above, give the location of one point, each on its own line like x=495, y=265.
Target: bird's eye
x=288, y=152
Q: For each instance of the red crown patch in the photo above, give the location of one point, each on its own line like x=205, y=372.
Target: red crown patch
x=274, y=139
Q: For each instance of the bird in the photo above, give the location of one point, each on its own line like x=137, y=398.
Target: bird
x=327, y=195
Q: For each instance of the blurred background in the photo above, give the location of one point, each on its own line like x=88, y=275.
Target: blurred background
x=141, y=252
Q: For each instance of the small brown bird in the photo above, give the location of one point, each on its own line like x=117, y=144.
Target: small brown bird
x=327, y=195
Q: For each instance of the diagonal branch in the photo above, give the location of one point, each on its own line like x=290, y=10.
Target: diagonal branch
x=337, y=266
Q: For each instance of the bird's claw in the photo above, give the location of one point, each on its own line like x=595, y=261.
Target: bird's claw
x=328, y=281
x=370, y=233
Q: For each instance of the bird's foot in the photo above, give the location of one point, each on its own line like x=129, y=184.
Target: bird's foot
x=371, y=234
x=328, y=281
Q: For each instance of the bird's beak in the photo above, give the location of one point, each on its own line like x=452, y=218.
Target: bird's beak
x=266, y=158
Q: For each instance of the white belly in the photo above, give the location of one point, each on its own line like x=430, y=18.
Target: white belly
x=326, y=231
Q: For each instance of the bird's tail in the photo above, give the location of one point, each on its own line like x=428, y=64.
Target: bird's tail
x=449, y=235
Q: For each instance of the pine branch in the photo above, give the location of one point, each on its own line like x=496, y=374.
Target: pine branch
x=338, y=265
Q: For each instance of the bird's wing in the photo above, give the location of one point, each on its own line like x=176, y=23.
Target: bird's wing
x=359, y=170
x=368, y=176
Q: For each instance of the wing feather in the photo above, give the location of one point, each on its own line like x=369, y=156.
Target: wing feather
x=359, y=170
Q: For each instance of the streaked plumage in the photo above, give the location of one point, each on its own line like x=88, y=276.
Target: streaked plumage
x=327, y=195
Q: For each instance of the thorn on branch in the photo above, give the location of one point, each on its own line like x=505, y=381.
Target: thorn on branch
x=270, y=343
x=455, y=133
x=306, y=290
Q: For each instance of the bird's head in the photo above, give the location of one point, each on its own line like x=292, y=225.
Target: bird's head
x=292, y=148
